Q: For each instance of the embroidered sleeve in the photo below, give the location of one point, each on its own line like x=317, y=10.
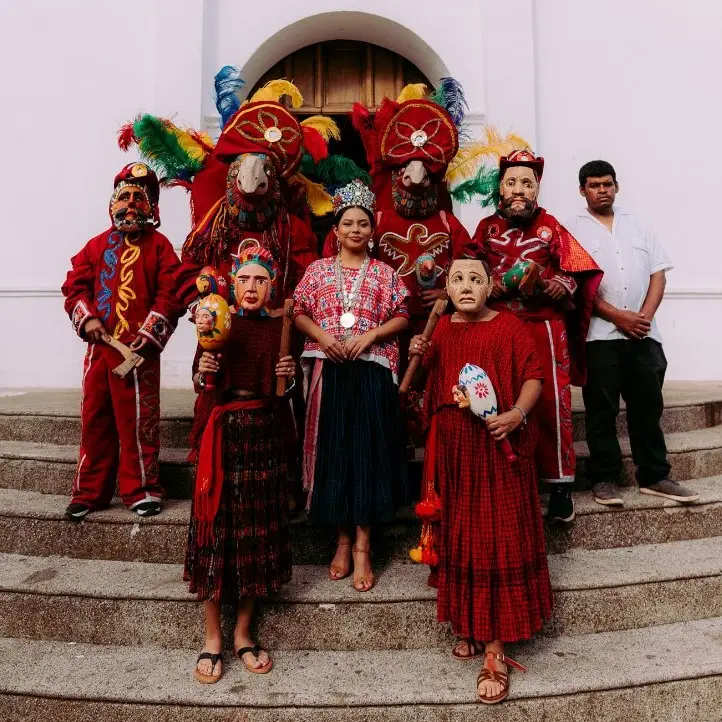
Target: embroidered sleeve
x=568, y=282
x=399, y=301
x=78, y=290
x=305, y=295
x=156, y=328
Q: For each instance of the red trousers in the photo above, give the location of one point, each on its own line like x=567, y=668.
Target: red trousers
x=120, y=431
x=555, y=456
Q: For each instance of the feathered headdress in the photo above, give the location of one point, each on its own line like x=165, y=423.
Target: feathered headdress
x=408, y=129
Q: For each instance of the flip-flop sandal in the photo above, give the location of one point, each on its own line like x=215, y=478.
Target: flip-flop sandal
x=255, y=652
x=208, y=678
x=474, y=649
x=491, y=675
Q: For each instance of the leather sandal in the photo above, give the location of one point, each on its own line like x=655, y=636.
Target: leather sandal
x=359, y=583
x=209, y=678
x=255, y=651
x=491, y=675
x=340, y=573
x=474, y=650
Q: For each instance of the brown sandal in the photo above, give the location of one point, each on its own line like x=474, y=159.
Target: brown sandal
x=209, y=678
x=255, y=651
x=491, y=675
x=359, y=584
x=341, y=573
x=474, y=650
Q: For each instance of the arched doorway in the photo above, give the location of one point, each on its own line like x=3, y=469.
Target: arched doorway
x=332, y=76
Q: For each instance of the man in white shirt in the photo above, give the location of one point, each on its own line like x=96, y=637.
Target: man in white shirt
x=624, y=347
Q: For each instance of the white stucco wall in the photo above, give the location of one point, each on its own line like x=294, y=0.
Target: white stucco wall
x=632, y=82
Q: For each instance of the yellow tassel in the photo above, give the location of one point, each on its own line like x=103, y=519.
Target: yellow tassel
x=317, y=197
x=467, y=161
x=326, y=126
x=413, y=91
x=274, y=90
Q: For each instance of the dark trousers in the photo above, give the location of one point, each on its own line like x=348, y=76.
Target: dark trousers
x=635, y=371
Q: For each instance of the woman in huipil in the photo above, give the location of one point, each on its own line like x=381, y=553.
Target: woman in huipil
x=352, y=308
x=239, y=542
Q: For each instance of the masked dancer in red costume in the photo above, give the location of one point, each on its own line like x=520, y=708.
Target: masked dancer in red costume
x=351, y=308
x=122, y=284
x=557, y=308
x=239, y=543
x=493, y=580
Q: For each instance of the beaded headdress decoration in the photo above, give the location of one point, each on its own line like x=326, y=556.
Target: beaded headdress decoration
x=356, y=193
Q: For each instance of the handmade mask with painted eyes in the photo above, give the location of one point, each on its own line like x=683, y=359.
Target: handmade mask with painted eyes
x=468, y=285
x=252, y=287
x=130, y=208
x=519, y=190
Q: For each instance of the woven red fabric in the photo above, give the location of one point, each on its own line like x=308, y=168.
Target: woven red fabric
x=493, y=574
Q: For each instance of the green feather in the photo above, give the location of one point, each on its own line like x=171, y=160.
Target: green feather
x=438, y=96
x=162, y=150
x=482, y=188
x=333, y=171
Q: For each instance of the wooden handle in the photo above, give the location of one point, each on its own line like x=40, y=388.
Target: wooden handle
x=436, y=313
x=120, y=347
x=285, y=343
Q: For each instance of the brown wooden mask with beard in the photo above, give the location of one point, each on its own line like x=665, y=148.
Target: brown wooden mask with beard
x=519, y=191
x=131, y=209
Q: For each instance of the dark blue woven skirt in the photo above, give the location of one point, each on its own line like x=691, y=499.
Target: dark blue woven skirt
x=360, y=475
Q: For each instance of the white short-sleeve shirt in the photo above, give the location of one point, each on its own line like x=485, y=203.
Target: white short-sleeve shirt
x=628, y=255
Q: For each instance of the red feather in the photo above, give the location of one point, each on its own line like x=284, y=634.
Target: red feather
x=126, y=136
x=314, y=143
x=364, y=124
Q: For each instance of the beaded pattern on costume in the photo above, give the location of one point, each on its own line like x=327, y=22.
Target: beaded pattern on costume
x=356, y=193
x=411, y=205
x=268, y=122
x=110, y=259
x=255, y=214
x=125, y=293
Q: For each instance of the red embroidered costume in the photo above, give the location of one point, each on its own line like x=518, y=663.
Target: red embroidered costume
x=126, y=280
x=493, y=580
x=559, y=328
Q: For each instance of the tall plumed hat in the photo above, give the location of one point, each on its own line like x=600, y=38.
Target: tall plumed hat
x=140, y=176
x=525, y=158
x=356, y=193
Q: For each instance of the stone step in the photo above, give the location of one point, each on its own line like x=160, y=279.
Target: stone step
x=32, y=523
x=53, y=416
x=670, y=672
x=136, y=603
x=50, y=468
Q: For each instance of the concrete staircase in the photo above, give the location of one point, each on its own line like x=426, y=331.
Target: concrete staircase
x=96, y=623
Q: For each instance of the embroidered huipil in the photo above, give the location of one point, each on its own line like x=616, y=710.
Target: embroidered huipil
x=381, y=297
x=128, y=285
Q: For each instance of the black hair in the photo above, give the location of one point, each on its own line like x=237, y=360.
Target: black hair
x=337, y=218
x=596, y=169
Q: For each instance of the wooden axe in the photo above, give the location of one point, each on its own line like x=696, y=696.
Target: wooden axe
x=132, y=359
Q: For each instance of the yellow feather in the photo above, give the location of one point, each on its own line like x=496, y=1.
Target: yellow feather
x=190, y=145
x=326, y=126
x=274, y=90
x=467, y=161
x=318, y=199
x=413, y=91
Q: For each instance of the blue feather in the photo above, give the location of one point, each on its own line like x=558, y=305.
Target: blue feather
x=227, y=83
x=454, y=99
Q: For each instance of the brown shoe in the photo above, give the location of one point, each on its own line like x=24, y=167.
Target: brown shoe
x=669, y=489
x=606, y=493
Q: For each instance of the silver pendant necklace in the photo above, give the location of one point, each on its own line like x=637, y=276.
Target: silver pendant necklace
x=348, y=300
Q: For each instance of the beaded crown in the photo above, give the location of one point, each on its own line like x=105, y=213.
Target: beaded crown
x=356, y=193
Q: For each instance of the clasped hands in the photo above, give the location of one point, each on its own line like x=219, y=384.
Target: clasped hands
x=348, y=350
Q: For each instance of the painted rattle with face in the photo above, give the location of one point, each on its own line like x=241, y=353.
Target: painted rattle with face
x=212, y=315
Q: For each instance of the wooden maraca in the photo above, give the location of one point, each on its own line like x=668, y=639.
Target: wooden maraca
x=212, y=314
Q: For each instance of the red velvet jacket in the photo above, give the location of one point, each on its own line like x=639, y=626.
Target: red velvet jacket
x=545, y=241
x=128, y=285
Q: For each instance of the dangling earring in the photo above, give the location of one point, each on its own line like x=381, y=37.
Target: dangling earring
x=371, y=245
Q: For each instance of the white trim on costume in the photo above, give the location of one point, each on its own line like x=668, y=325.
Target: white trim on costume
x=556, y=400
x=137, y=427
